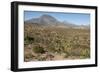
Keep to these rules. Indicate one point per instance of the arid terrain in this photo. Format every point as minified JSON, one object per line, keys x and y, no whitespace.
{"x":55,"y":43}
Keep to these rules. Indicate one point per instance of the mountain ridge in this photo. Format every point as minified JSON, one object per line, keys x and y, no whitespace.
{"x":48,"y":20}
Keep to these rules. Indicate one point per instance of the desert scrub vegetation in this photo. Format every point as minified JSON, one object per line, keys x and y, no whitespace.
{"x":38,"y":49}
{"x":55,"y":43}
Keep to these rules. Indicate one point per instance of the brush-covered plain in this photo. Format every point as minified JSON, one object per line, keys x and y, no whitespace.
{"x":55,"y":43}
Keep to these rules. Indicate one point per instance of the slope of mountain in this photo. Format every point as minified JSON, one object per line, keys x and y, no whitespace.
{"x":47,"y":20}
{"x":43,"y":20}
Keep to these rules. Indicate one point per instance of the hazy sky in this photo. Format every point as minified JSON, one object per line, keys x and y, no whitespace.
{"x":75,"y":18}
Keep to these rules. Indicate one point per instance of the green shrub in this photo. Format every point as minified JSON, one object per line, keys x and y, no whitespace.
{"x":38,"y":49}
{"x":29,"y":55}
{"x":29,"y":40}
{"x":86,"y":53}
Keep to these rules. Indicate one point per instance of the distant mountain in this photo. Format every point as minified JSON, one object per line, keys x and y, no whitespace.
{"x":69,"y":24}
{"x":47,"y":20}
{"x":43,"y":20}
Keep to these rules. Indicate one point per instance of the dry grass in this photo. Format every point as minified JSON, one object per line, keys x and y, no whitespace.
{"x":52,"y":43}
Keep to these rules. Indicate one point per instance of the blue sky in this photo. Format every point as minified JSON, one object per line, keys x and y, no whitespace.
{"x":76,"y":18}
